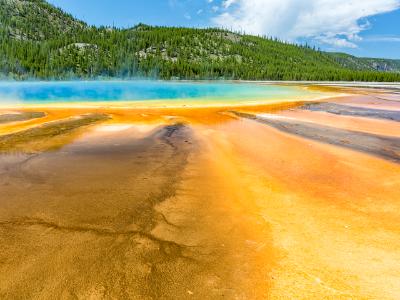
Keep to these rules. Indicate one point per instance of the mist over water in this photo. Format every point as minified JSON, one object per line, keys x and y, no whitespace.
{"x":97,"y":91}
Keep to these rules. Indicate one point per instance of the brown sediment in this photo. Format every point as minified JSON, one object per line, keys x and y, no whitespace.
{"x":46,"y":136}
{"x":374,"y":126}
{"x":20,"y":116}
{"x":348,"y":110}
{"x":379,"y":145}
{"x":131,"y":218}
{"x":122,"y":218}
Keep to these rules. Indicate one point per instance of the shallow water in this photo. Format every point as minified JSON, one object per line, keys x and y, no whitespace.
{"x":199,"y":203}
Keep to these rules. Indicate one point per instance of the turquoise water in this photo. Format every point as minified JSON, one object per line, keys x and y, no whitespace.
{"x":98,"y":91}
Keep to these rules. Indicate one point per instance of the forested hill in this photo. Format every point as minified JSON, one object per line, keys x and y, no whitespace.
{"x":364,"y":63}
{"x":38,"y":40}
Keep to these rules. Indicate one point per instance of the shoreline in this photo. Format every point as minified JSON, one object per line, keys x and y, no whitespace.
{"x":322,"y":90}
{"x":175,"y":104}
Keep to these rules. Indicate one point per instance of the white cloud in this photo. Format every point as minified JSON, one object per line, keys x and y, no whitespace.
{"x":214,"y":8}
{"x":334,"y":22}
{"x":383,"y":38}
{"x":228,"y":3}
{"x":335,"y":41}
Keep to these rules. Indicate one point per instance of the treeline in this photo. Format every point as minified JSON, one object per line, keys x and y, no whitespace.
{"x":40,"y":41}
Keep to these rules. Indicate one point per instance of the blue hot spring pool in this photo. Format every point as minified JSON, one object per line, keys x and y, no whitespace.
{"x":135,"y":91}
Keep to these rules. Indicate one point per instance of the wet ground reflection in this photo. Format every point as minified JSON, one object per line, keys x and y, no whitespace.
{"x":199,"y":203}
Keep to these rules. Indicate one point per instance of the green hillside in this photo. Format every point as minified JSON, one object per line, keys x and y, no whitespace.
{"x":35,"y":20}
{"x":364,"y":63}
{"x":38,"y":40}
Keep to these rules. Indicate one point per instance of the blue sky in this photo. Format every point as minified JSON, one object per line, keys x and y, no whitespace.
{"x":360,"y":27}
